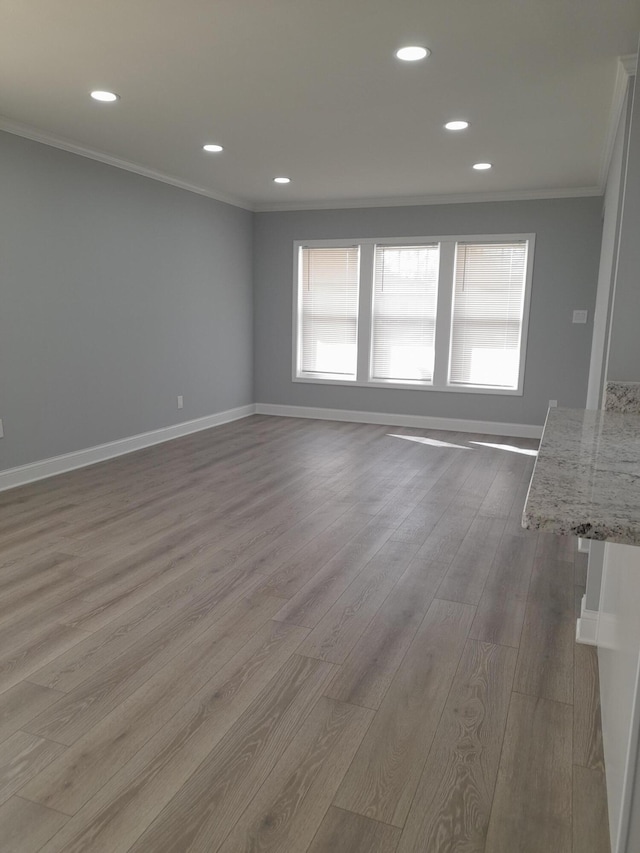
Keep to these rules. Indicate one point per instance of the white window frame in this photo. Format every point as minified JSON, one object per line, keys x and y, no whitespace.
{"x":308,"y":376}
{"x":440,"y":380}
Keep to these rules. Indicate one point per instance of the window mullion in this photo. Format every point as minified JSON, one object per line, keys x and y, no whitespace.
{"x":443,"y":317}
{"x":365,"y":309}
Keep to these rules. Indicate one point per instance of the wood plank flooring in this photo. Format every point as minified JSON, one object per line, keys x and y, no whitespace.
{"x":295,"y":636}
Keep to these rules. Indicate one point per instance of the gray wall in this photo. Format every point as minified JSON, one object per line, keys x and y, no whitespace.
{"x":117,"y":293}
{"x":608,"y":259}
{"x":568,"y":235}
{"x":624,"y":335}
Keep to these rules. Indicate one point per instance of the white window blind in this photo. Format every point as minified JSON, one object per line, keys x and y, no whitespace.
{"x":328,"y":311}
{"x":404,"y":312}
{"x":488,"y":306}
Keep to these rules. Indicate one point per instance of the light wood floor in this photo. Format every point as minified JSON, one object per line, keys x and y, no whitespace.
{"x":288,"y":635}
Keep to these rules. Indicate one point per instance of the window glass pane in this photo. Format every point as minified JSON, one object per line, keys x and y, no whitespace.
{"x":488,"y":305}
{"x":404,"y":312}
{"x":328,"y":311}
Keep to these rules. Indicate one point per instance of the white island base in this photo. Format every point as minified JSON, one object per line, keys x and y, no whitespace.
{"x":618,"y":641}
{"x":586,"y":483}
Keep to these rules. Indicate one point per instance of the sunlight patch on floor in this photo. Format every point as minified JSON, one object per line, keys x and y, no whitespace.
{"x":433,"y":442}
{"x":525,"y":451}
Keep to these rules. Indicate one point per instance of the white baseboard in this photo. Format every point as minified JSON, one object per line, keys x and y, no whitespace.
{"x":419,"y":421}
{"x":587,"y":625}
{"x":23,"y":474}
{"x":44,"y":468}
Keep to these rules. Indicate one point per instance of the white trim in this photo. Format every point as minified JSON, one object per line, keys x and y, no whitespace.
{"x":417,"y":201}
{"x":411,"y":386}
{"x":384,"y":418}
{"x":439,"y":382}
{"x":412,"y":239}
{"x":621,"y":845}
{"x":23,"y":474}
{"x":587,"y":625}
{"x":626,"y":68}
{"x":50,"y":139}
{"x":622,"y":841}
{"x":444,"y":314}
{"x":364,"y":340}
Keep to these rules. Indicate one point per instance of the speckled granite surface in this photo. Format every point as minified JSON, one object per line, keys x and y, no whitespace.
{"x":622,"y":397}
{"x":586,"y":480}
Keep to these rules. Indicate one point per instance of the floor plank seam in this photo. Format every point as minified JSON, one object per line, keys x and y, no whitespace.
{"x":493,"y":799}
{"x":542,"y":698}
{"x":368,"y":817}
{"x":20,"y":797}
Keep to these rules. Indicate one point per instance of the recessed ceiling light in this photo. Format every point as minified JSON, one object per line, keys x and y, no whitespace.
{"x":100,"y":95}
{"x":481,"y":167}
{"x":282,"y":180}
{"x":457,"y":125}
{"x":212,"y":148}
{"x":412,"y":53}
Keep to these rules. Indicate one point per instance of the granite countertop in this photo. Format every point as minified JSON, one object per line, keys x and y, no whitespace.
{"x":586,"y":481}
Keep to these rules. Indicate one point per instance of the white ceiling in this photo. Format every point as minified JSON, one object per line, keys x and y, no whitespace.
{"x":311,"y":89}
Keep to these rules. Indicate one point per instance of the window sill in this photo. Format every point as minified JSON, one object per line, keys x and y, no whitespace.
{"x":412,"y":386}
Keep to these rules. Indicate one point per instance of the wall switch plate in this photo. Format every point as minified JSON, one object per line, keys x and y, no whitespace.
{"x":553,"y":404}
{"x":1,"y":429}
{"x":579,"y":316}
{"x":180,"y":402}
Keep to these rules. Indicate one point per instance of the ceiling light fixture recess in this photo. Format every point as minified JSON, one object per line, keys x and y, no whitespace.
{"x":212,"y":148}
{"x":481,"y":167}
{"x":458,"y":124}
{"x":282,"y":180}
{"x":412,"y":53}
{"x":104,"y":96}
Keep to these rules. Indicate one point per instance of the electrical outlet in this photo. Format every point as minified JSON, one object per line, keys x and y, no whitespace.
{"x":1,"y":429}
{"x":579,"y":316}
{"x":553,"y":404}
{"x":180,"y":401}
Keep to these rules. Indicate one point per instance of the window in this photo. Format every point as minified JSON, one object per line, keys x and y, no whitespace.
{"x":488,"y":302}
{"x":404,"y":312}
{"x":328,"y":311}
{"x":448,"y":314}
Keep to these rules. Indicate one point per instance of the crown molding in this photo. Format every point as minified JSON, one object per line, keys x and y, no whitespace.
{"x":627,"y":66}
{"x":416,"y":201}
{"x":50,"y":139}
